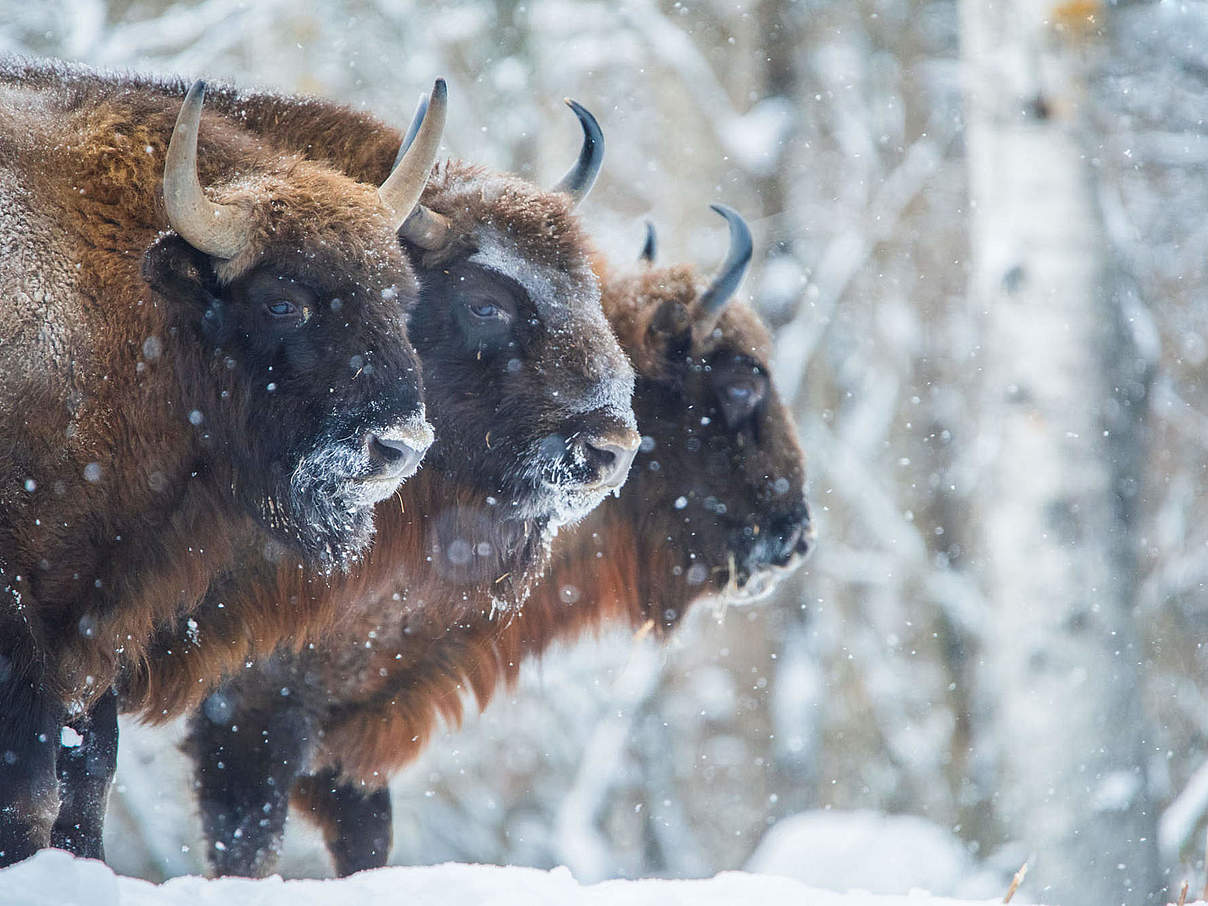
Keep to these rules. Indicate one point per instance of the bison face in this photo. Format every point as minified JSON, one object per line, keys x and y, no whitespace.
{"x":319,"y":415}
{"x":527,"y":386}
{"x":295,"y":285}
{"x":717,"y":490}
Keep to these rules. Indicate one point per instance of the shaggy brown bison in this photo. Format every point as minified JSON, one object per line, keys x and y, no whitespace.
{"x":181,"y":369}
{"x":530,"y":396}
{"x":714,"y":506}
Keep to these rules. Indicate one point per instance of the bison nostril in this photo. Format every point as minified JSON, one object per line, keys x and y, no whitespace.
{"x":388,"y":450}
{"x":397,"y":455}
{"x":792,"y":539}
{"x":613,"y":456}
{"x":786,"y":544}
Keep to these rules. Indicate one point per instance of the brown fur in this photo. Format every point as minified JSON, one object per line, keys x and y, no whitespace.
{"x":542,"y":230}
{"x":377,"y":689}
{"x":413,"y":635}
{"x":260,"y":601}
{"x":404,"y":655}
{"x":364,"y":148}
{"x":132,"y":455}
{"x":625,"y":562}
{"x":404,"y":658}
{"x":91,"y":169}
{"x":108,"y":205}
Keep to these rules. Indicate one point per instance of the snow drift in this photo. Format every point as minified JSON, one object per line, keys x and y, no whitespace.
{"x":54,"y":878}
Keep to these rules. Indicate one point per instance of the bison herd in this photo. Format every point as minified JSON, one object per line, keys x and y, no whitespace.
{"x":234,"y":325}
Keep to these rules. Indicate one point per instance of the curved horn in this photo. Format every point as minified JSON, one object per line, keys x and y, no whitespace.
{"x":650,"y":246}
{"x":721,"y":289}
{"x":404,"y":186}
{"x":417,"y":120}
{"x":221,"y":230}
{"x":423,"y":227}
{"x":579,"y":179}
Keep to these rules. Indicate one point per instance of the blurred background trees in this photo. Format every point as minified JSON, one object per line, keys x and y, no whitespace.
{"x":982,"y":246}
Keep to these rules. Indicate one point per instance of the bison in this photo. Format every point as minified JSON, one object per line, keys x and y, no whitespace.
{"x":182,"y":371}
{"x":715,"y":506}
{"x":529,"y":393}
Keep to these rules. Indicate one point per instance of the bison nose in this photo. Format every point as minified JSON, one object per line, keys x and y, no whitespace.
{"x":786,"y":545}
{"x":612,"y":454}
{"x":793,"y":536}
{"x":397,"y":453}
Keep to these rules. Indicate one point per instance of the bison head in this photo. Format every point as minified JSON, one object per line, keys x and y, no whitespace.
{"x":298,"y":293}
{"x":527,"y":386}
{"x":720,"y":477}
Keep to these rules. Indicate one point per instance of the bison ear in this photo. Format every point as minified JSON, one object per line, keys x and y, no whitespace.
{"x":670,"y":330}
{"x":177,"y":271}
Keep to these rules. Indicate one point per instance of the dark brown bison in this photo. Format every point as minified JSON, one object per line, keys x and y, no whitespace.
{"x":714,"y":506}
{"x":530,"y":397}
{"x":181,"y":370}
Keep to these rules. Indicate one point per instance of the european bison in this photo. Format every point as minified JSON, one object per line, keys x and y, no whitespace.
{"x":181,"y":369}
{"x":715,"y":506}
{"x":530,"y":396}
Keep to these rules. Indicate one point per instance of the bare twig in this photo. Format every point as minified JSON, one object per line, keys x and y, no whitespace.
{"x":1015,"y":882}
{"x":643,"y":631}
{"x":1204,"y":895}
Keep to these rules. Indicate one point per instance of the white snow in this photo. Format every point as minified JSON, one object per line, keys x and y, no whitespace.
{"x":55,"y":878}
{"x":847,"y":850}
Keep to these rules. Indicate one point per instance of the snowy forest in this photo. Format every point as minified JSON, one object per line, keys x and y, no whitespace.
{"x":981,"y":248}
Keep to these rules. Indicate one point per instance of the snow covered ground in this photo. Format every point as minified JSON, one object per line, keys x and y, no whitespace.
{"x":54,"y":878}
{"x":864,"y":850}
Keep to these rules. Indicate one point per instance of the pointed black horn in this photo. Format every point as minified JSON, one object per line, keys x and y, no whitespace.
{"x":579,"y":179}
{"x":721,"y":289}
{"x":650,"y":246}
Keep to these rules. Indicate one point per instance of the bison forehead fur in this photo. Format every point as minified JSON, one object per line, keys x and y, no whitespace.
{"x":727,"y":493}
{"x":558,"y":375}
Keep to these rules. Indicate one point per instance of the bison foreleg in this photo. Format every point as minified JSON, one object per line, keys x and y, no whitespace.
{"x":355,"y":820}
{"x":30,"y":723}
{"x":85,"y":775}
{"x":246,"y":761}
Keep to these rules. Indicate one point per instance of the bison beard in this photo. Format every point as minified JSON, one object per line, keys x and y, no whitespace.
{"x":371,"y":696}
{"x":326,"y":503}
{"x":134,"y":446}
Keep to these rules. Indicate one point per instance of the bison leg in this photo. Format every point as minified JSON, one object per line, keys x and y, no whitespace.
{"x":246,"y":761}
{"x":30,"y":723}
{"x":356,"y":821}
{"x":85,"y":774}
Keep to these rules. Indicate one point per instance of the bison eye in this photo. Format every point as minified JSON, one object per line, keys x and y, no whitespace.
{"x":739,"y":396}
{"x":485,"y":310}
{"x":743,"y":396}
{"x":281,"y":308}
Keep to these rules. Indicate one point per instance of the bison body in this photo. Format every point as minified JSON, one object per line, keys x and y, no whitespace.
{"x":529,"y":394}
{"x":714,"y":506}
{"x":175,"y":383}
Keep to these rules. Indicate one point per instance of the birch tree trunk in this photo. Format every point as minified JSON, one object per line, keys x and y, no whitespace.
{"x":1058,"y":434}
